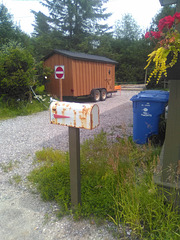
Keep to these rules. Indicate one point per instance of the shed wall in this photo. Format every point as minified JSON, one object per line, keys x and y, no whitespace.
{"x":89,"y":75}
{"x":53,"y":86}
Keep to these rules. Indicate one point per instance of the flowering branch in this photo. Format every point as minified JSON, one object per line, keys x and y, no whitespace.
{"x":168,"y":43}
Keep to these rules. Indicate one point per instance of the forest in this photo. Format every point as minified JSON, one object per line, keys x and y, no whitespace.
{"x":74,"y":25}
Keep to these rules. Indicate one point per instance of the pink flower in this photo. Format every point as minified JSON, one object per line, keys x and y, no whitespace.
{"x":166,"y":22}
{"x":156,"y":35}
{"x":147,"y":35}
{"x":177,"y":17}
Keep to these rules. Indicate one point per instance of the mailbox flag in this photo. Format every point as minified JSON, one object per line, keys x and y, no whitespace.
{"x":59,"y":72}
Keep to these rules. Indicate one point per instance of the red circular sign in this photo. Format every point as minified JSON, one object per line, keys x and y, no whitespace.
{"x":59,"y":72}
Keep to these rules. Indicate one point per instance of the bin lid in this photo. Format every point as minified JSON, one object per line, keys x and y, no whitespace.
{"x":151,"y":95}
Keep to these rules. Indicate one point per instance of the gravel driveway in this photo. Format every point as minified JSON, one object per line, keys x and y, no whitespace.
{"x":23,"y":216}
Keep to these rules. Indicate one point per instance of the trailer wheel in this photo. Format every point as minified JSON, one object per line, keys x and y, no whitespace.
{"x":96,"y":95}
{"x":103,"y":94}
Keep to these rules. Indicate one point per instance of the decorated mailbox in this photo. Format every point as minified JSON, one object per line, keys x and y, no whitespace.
{"x":74,"y":114}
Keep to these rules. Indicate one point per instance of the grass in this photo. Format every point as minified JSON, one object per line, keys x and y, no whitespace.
{"x":16,"y":179}
{"x":116,"y":185}
{"x":7,"y":167}
{"x":22,"y":108}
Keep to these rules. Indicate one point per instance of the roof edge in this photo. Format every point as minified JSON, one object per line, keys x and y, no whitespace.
{"x":80,"y":56}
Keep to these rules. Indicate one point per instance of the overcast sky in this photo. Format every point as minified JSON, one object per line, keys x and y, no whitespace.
{"x":142,"y":11}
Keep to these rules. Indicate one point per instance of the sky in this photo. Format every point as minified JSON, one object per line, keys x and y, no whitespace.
{"x":142,"y":11}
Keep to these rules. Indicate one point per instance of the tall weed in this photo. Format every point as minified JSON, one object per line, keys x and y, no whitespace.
{"x":116,"y":184}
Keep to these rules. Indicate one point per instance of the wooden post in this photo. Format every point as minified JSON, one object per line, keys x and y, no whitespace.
{"x":75,"y":176}
{"x":145,"y":80}
{"x":60,"y":90}
{"x":170,"y":155}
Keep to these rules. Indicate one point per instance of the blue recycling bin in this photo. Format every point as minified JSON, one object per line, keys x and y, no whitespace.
{"x":147,"y":108}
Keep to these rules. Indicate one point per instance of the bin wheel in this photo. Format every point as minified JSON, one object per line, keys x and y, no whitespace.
{"x":96,"y":95}
{"x":103,"y":94}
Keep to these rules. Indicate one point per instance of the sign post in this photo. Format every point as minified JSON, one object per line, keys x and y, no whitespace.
{"x":59,"y":74}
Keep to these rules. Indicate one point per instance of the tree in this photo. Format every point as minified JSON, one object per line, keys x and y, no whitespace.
{"x":41,"y":25}
{"x":77,"y":19}
{"x":9,"y":31}
{"x":129,"y":50}
{"x":127,"y":28}
{"x":131,"y":58}
{"x":6,"y":25}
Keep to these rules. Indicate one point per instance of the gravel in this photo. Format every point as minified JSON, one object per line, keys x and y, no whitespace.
{"x":23,"y":215}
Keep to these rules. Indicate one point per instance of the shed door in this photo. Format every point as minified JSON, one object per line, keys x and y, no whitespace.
{"x":109,"y":78}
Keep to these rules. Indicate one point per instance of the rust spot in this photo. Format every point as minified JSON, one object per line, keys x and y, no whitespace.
{"x":63,"y":111}
{"x":57,"y":104}
{"x":83,"y":116}
{"x":91,"y":120}
{"x":54,"y":111}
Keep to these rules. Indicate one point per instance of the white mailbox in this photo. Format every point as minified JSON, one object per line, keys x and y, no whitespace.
{"x":74,"y":114}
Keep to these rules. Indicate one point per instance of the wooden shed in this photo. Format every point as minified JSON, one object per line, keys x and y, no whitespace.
{"x":84,"y":74}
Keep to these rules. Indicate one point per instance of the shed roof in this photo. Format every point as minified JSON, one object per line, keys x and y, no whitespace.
{"x":81,"y":56}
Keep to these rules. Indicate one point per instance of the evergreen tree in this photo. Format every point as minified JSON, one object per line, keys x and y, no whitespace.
{"x":9,"y":31}
{"x":6,"y":25}
{"x":41,"y":25}
{"x":127,"y":28}
{"x":77,"y":19}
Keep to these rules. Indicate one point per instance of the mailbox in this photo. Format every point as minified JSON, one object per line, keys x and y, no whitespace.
{"x":74,"y":114}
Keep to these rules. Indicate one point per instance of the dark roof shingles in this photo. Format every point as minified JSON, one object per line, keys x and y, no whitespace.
{"x":82,"y":56}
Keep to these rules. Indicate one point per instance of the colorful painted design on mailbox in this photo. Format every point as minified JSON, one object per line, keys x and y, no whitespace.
{"x":74,"y":114}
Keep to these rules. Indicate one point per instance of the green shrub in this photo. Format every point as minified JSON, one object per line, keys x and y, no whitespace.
{"x":19,"y":72}
{"x":16,"y":71}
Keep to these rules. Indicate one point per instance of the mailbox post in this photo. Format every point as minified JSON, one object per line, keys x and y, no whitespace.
{"x":75,"y":176}
{"x":75,"y":116}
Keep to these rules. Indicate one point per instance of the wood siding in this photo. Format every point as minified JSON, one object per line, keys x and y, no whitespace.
{"x":80,"y":76}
